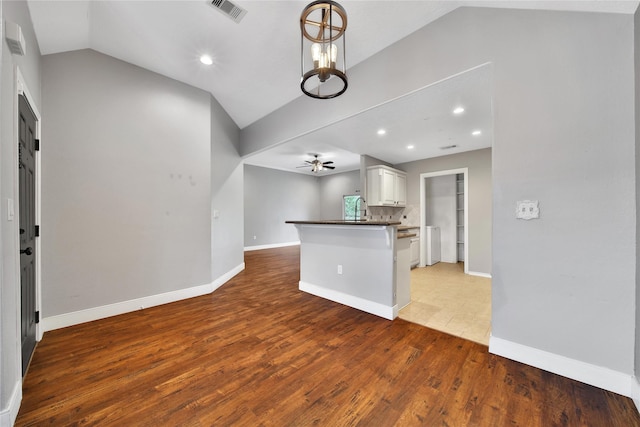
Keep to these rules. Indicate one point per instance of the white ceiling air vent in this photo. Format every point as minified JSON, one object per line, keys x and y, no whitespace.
{"x":233,"y":11}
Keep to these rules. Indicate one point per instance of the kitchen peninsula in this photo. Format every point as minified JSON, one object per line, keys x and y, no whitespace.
{"x":352,"y":263}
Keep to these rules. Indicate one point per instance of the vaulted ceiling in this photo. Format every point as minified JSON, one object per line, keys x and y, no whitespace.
{"x":256,"y":62}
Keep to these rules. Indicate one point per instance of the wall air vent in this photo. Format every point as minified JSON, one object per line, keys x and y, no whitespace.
{"x":448,"y":147}
{"x":236,"y":13}
{"x":15,"y":39}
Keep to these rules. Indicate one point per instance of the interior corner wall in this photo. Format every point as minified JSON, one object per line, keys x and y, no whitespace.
{"x":227,"y":201}
{"x":636,"y":55}
{"x":272,"y":197}
{"x":126,"y":183}
{"x":333,"y":188}
{"x":563,"y":98}
{"x":478,"y":163}
{"x":29,"y":66}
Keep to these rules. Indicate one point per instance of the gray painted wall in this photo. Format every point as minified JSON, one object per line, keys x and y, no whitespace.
{"x":227,"y":202}
{"x":272,"y":197}
{"x":563,"y":97}
{"x":636,"y":52}
{"x":29,"y":65}
{"x":126,"y":183}
{"x":480,"y":198}
{"x":333,"y":188}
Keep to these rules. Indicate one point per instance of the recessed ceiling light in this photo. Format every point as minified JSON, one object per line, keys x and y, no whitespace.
{"x":410,"y":147}
{"x":476,"y":132}
{"x":458,"y":110}
{"x":381,"y":132}
{"x":206,"y":60}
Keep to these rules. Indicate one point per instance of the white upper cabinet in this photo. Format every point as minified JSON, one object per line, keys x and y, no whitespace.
{"x":386,"y":186}
{"x":401,"y":188}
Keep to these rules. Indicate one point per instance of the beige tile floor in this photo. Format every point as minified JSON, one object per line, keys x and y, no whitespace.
{"x":444,"y":298}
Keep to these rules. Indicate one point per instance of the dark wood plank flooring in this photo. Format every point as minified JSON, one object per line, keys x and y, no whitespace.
{"x":259,"y":352}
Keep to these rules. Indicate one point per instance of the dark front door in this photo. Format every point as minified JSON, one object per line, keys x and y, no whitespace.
{"x":27,"y":173}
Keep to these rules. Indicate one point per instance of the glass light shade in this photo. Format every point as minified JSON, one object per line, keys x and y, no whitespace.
{"x":323,"y":59}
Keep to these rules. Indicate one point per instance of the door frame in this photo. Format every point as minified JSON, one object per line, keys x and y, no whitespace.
{"x":21,"y":88}
{"x":423,"y":212}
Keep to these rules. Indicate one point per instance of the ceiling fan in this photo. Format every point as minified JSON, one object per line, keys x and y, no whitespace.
{"x":317,"y":165}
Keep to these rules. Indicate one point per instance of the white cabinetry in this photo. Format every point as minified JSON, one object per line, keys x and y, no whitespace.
{"x":386,"y":186}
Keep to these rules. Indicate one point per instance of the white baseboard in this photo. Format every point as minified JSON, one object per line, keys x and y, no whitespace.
{"x":371,"y":307}
{"x":227,"y":276}
{"x":272,"y":246}
{"x":8,"y":415}
{"x":95,"y":313}
{"x":476,"y":273}
{"x":635,"y":392}
{"x":587,"y":373}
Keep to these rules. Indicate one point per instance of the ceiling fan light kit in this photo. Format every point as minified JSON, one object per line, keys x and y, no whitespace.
{"x":322,"y":50}
{"x":318,"y":165}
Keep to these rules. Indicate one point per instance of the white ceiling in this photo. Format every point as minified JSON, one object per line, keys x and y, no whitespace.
{"x":256,"y":66}
{"x":423,"y":119}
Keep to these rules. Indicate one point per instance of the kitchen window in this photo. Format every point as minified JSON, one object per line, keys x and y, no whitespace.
{"x":351,"y":207}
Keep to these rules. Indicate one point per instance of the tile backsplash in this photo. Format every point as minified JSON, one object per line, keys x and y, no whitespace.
{"x":380,"y":213}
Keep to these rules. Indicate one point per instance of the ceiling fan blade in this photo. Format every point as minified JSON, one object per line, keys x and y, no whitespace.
{"x":327,"y":163}
{"x":329,"y":167}
{"x":303,"y":166}
{"x":307,"y":161}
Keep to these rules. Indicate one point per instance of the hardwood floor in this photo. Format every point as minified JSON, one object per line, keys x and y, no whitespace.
{"x":259,"y":352}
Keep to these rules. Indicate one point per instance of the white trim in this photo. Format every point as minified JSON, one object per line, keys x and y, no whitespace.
{"x":271,"y":246}
{"x":371,"y":307}
{"x":635,"y":392}
{"x":95,"y":313}
{"x":587,"y":373}
{"x":423,"y":210}
{"x":477,"y":273}
{"x":22,"y":88}
{"x":227,"y":276}
{"x":8,"y":416}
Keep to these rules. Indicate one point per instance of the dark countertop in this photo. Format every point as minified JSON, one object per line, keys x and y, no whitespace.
{"x":342,"y":222}
{"x":407,"y":227}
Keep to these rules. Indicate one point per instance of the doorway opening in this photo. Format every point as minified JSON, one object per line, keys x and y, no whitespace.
{"x":450,"y":188}
{"x":444,"y":296}
{"x":27,"y":178}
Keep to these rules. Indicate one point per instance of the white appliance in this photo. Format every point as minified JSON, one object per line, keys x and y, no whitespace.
{"x":415,"y":251}
{"x":432,"y":245}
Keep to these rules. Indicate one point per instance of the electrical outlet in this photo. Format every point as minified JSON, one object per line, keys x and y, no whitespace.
{"x":255,"y":237}
{"x":339,"y":268}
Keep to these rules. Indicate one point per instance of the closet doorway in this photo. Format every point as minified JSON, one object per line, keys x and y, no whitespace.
{"x":444,"y":199}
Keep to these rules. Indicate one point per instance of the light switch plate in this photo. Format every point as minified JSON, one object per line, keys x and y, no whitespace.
{"x":10,"y":210}
{"x":527,"y":209}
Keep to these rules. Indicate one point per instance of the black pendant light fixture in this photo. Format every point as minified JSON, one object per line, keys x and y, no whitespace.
{"x":323,"y":55}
